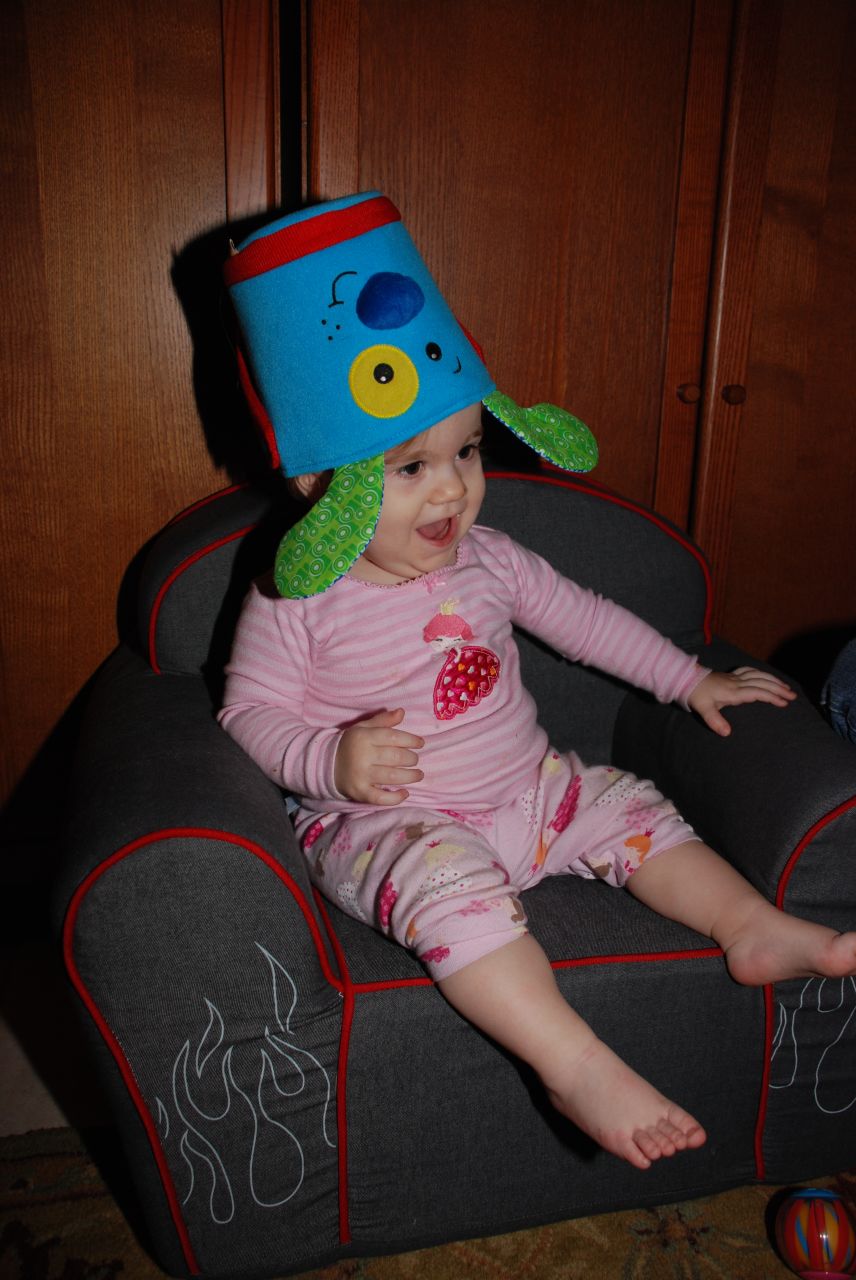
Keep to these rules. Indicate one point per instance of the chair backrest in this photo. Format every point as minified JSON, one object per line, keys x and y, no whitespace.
{"x":199,"y":567}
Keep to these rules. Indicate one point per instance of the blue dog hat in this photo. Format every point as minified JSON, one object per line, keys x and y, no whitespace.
{"x":353,"y":350}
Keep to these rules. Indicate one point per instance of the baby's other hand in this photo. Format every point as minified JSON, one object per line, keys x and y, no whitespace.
{"x":730,"y":688}
{"x":373,"y":756}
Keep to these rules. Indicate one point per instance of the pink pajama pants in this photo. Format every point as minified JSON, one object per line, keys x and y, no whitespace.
{"x":447,"y":885}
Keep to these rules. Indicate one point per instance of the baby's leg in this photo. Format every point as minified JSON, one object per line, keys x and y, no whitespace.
{"x":692,"y":884}
{"x":436,"y":886}
{"x":511,"y":994}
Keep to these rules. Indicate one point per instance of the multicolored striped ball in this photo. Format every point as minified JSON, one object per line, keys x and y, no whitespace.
{"x":816,"y":1236}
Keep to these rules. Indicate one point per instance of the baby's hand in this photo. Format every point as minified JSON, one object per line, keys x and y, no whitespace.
{"x":373,"y":755}
{"x":728,"y":689}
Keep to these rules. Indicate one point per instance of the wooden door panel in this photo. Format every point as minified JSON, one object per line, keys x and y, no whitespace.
{"x":775,"y":510}
{"x":534,"y":152}
{"x":114,"y":163}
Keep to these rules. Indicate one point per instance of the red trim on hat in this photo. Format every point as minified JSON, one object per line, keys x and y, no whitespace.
{"x":309,"y":236}
{"x":258,"y":412}
{"x":475,"y":345}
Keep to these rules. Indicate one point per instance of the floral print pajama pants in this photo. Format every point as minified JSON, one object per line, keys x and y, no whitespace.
{"x":447,"y":885}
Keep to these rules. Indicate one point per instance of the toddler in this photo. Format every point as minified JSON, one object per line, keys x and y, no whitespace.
{"x":376,"y":676}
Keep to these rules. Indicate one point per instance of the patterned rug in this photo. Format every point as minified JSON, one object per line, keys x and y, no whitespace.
{"x":58,"y":1221}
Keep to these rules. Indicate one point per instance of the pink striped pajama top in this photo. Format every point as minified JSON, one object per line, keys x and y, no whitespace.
{"x":441,"y":647}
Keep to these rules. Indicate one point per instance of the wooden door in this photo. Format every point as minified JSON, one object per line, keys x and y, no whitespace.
{"x":777,"y":470}
{"x":535,"y":150}
{"x":131,"y":132}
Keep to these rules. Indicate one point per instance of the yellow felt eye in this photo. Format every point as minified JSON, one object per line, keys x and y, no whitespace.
{"x":383,"y":381}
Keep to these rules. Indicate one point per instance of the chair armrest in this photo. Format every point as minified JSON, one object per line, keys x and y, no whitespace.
{"x":151,"y":757}
{"x":154,"y":773}
{"x":777,"y":798}
{"x":192,"y":937}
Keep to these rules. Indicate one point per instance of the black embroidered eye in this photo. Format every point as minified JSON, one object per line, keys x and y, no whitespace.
{"x":383,"y":373}
{"x":433,"y":352}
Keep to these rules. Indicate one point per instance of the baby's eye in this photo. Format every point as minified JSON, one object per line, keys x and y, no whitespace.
{"x":409,"y":469}
{"x":469,"y":451}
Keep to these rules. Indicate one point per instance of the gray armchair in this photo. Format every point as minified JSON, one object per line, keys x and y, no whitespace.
{"x":288,"y":1085}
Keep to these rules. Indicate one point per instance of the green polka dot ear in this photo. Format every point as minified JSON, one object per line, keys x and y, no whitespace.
{"x":321,"y":547}
{"x":552,"y":432}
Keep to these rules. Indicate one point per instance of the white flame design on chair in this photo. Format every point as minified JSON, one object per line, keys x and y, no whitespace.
{"x":813,"y":1003}
{"x":275,"y":1152}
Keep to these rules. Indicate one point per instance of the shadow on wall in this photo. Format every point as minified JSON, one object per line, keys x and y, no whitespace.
{"x":233,"y":440}
{"x":809,"y":656}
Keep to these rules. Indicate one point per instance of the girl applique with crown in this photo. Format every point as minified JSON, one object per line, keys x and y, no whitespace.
{"x":430,"y":799}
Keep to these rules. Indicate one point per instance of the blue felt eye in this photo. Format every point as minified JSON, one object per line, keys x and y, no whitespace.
{"x":389,"y":300}
{"x":433,"y":352}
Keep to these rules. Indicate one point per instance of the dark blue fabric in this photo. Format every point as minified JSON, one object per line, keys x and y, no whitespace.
{"x":839,"y":693}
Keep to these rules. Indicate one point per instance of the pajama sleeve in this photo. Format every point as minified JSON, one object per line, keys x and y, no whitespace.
{"x":597,"y":632}
{"x":266,"y":679}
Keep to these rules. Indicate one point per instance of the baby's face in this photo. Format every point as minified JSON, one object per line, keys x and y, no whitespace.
{"x":433,"y":490}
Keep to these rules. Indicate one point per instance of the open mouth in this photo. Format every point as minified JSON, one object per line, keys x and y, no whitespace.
{"x":440,"y":533}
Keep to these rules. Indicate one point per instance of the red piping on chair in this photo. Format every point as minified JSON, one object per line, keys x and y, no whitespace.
{"x":176,"y":573}
{"x":342,"y":1072}
{"x":563,"y":482}
{"x":203,"y":502}
{"x":125,"y":1069}
{"x":790,"y":867}
{"x":391,"y":984}
{"x":644,"y":957}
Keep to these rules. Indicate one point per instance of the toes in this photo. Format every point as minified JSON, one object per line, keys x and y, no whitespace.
{"x":672,"y":1136}
{"x":692,"y":1134}
{"x":652,"y":1143}
{"x":633,"y":1152}
{"x":698,"y":1137}
{"x":666,"y":1137}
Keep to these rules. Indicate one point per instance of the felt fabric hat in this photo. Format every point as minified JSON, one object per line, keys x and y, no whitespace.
{"x":352,"y":350}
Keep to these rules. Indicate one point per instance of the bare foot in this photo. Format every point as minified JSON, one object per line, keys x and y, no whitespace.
{"x":621,"y":1111}
{"x":768,"y":945}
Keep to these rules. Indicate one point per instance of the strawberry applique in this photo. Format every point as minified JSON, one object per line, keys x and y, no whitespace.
{"x":469,"y":672}
{"x":468,"y":675}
